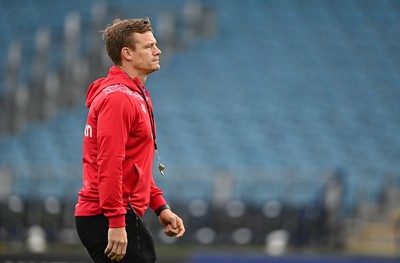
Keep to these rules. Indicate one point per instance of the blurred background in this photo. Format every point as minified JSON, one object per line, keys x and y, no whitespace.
{"x":278,"y":123}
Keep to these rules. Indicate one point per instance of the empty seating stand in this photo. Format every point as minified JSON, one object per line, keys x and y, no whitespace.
{"x":282,"y":86}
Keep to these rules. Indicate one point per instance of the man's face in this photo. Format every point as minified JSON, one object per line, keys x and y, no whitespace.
{"x":146,"y":55}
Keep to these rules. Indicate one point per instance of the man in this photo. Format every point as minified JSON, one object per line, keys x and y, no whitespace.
{"x":118,"y":152}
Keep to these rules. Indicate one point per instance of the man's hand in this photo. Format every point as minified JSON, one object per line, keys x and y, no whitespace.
{"x":172,"y":223}
{"x":117,"y":243}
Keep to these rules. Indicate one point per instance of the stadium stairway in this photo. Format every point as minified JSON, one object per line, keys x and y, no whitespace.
{"x":376,"y":237}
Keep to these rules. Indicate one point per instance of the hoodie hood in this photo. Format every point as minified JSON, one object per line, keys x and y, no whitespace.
{"x":115,"y":76}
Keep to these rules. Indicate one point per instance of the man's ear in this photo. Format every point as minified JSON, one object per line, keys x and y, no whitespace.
{"x":127,"y":53}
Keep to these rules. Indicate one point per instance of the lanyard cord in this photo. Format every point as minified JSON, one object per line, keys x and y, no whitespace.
{"x":151,"y":116}
{"x":161,"y":167}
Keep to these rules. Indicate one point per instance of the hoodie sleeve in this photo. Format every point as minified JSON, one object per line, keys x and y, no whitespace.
{"x":115,"y":118}
{"x":156,"y":198}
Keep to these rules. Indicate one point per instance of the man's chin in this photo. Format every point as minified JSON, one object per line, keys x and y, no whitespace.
{"x":156,"y":68}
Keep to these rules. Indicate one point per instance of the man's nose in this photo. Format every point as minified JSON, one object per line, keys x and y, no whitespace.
{"x":157,"y":51}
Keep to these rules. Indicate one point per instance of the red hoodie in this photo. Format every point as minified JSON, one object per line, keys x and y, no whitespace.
{"x":118,"y":151}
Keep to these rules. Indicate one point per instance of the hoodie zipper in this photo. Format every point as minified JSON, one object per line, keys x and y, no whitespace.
{"x":137,"y":224}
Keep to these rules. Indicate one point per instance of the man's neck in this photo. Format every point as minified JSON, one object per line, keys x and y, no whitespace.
{"x":133,"y":73}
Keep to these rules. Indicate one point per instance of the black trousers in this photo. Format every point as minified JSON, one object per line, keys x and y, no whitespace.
{"x":93,"y":233}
